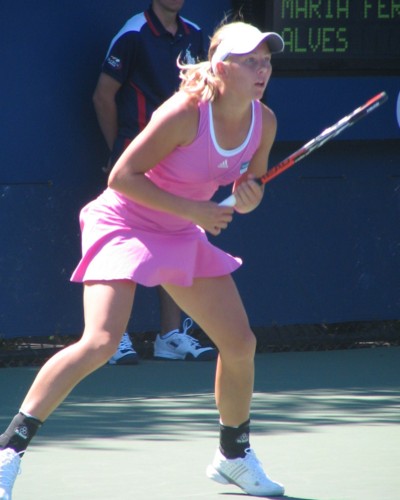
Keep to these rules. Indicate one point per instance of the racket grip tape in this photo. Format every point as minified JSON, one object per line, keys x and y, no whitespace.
{"x":228,"y":202}
{"x":231,"y":200}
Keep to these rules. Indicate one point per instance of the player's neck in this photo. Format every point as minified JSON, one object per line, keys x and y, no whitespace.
{"x":167,"y":18}
{"x":228,"y":107}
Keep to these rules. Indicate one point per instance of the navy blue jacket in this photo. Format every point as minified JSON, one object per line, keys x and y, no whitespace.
{"x":142,"y":57}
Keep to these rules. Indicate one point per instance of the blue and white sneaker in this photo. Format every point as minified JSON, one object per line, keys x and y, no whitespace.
{"x":125,"y":354}
{"x":10,"y":462}
{"x":180,"y":345}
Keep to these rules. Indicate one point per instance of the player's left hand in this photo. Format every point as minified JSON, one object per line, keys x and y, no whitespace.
{"x":248,"y":194}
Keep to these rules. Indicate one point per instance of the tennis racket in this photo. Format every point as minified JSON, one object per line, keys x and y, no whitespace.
{"x":328,"y":134}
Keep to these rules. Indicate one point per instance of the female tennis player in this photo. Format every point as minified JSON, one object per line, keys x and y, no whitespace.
{"x":149,"y":227}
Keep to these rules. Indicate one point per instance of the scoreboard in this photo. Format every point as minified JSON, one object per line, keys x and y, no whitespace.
{"x":338,"y":53}
{"x":339,"y":36}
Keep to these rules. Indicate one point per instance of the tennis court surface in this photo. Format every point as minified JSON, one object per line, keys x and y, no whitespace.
{"x":325,"y":424}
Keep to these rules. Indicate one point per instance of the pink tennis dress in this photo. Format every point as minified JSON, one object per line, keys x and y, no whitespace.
{"x":122,"y":239}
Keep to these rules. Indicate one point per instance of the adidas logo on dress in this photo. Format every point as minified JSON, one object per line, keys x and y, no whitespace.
{"x":223,"y":164}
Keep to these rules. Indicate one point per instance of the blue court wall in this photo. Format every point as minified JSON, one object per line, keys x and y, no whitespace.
{"x":323,"y":247}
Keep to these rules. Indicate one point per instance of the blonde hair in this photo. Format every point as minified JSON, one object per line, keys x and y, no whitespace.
{"x":199,"y":79}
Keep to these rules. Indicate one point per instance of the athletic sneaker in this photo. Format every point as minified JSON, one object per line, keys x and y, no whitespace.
{"x":247,"y":473}
{"x":10,"y":462}
{"x":125,"y":354}
{"x":180,"y":345}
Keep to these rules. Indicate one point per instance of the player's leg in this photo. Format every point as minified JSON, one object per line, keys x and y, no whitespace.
{"x":107,"y":306}
{"x":216,"y":306}
{"x":107,"y":310}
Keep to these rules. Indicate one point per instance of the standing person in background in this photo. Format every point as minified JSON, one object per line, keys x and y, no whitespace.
{"x":156,"y":209}
{"x":139,"y":73}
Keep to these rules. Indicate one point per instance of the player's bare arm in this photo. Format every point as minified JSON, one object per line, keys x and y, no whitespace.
{"x":174,"y":124}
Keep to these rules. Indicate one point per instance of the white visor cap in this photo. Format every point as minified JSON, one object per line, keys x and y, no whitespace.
{"x":243,"y":38}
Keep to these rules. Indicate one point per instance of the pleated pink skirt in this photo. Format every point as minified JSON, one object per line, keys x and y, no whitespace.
{"x":124,"y":240}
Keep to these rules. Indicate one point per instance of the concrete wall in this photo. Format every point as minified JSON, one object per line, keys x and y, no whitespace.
{"x":324,"y":246}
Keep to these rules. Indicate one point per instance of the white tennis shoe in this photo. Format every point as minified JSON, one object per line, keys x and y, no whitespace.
{"x":10,"y":462}
{"x":247,"y":473}
{"x":125,"y":354}
{"x":180,"y":345}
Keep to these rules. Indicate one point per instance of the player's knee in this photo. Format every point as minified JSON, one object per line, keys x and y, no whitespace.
{"x":105,"y":351}
{"x":241,"y":347}
{"x":100,"y":350}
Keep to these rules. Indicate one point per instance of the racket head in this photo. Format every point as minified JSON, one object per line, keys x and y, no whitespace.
{"x":326,"y":135}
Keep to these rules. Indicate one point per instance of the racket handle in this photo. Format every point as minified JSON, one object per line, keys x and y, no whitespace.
{"x":228,"y":202}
